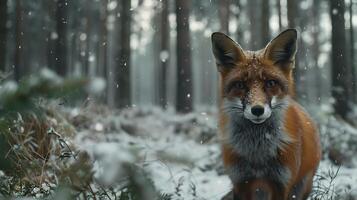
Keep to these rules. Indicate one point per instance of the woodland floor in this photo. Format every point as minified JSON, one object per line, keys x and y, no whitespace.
{"x":180,"y":154}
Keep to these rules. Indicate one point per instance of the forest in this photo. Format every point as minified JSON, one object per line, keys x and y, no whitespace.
{"x":119,"y":99}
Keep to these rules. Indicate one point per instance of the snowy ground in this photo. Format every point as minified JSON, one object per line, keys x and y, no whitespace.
{"x":181,"y":153}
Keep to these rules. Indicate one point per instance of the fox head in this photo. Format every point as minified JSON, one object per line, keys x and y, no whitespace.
{"x":254,"y":83}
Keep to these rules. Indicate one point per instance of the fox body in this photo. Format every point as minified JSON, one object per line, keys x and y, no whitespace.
{"x":270,"y":145}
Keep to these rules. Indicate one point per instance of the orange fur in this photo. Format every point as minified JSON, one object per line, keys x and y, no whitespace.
{"x":302,"y":154}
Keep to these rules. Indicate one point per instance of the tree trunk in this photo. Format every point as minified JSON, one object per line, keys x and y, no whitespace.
{"x":184,"y":74}
{"x":239,"y":21}
{"x":123,"y":93}
{"x":223,"y":13}
{"x":316,"y":48}
{"x":3,"y":33}
{"x":102,"y":45}
{"x":87,"y":42}
{"x":293,"y":15}
{"x":164,"y":53}
{"x":18,"y":55}
{"x":292,"y":6}
{"x":352,"y":56}
{"x":255,"y":25}
{"x":102,"y":62}
{"x":340,"y":77}
{"x":61,"y":44}
{"x":265,"y":23}
{"x":278,"y":7}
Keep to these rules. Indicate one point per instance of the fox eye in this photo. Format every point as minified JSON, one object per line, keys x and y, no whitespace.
{"x":271,"y":83}
{"x":239,"y":85}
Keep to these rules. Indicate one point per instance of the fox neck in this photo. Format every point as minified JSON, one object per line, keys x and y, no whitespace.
{"x":258,"y":142}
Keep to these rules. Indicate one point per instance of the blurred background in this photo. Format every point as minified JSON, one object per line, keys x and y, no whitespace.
{"x":116,"y":99}
{"x":158,"y":52}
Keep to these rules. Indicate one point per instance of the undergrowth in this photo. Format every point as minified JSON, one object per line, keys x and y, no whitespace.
{"x":37,"y":158}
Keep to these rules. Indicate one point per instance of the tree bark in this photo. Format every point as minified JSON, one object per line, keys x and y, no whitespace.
{"x":18,"y":54}
{"x":293,"y":14}
{"x":164,"y":54}
{"x":340,"y":77}
{"x":239,"y":21}
{"x":184,"y":74}
{"x":278,"y":7}
{"x":102,"y":45}
{"x":123,"y":93}
{"x":316,"y":48}
{"x":61,"y":43}
{"x":293,"y":22}
{"x":352,"y":55}
{"x":3,"y":33}
{"x":265,"y":23}
{"x":102,"y":62}
{"x":255,"y":25}
{"x":223,"y":13}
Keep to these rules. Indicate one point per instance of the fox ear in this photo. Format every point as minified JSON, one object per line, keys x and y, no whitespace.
{"x":282,"y":49}
{"x":227,"y":52}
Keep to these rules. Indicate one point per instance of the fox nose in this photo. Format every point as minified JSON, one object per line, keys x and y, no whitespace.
{"x":257,"y":110}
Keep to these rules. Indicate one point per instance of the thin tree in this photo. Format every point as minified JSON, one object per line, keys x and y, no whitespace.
{"x":164,"y":53}
{"x":316,"y":46}
{"x":61,"y":62}
{"x":239,"y":21}
{"x":184,"y":74}
{"x":278,"y":7}
{"x":340,"y":78}
{"x":265,"y":22}
{"x":254,"y":24}
{"x":3,"y":33}
{"x":102,"y":61}
{"x":352,"y":54}
{"x":123,"y":93}
{"x":223,"y":12}
{"x":293,"y":22}
{"x":18,"y":55}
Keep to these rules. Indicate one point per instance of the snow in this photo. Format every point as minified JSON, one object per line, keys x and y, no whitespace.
{"x":181,"y":153}
{"x":169,"y":147}
{"x":96,"y":85}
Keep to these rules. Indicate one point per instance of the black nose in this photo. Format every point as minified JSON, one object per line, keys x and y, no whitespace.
{"x":257,"y":110}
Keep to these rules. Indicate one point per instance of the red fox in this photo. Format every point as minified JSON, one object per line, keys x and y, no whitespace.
{"x":270,"y":145}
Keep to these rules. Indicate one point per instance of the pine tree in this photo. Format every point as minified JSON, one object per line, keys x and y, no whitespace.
{"x":184,"y":73}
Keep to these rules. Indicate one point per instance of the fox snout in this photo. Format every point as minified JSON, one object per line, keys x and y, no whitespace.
{"x":257,"y":113}
{"x":257,"y":108}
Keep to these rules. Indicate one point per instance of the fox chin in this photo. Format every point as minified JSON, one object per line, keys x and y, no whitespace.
{"x":269,"y":142}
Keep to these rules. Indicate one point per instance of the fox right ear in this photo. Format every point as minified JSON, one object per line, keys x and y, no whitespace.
{"x":282,"y":49}
{"x":227,"y":52}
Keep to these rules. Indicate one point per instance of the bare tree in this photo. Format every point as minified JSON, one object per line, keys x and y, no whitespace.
{"x":316,"y":46}
{"x":3,"y":33}
{"x":18,"y":54}
{"x":223,"y":12}
{"x":184,"y":73}
{"x":164,"y":53}
{"x":123,"y":93}
{"x":61,"y":43}
{"x":340,"y":73}
{"x":293,"y":13}
{"x":102,"y":61}
{"x":265,"y":22}
{"x":278,"y":7}
{"x":352,"y":54}
{"x":293,"y":22}
{"x":254,"y":24}
{"x":238,"y":18}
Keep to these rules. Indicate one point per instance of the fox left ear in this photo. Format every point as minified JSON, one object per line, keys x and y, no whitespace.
{"x":282,"y":49}
{"x":227,"y":52}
